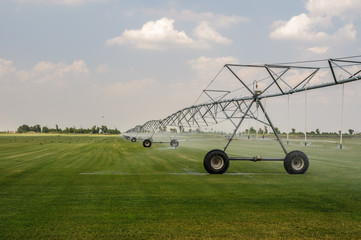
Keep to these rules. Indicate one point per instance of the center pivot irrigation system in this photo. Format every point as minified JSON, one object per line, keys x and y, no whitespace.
{"x":236,"y":93}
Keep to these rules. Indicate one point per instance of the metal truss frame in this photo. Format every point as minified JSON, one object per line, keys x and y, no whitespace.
{"x":235,"y":110}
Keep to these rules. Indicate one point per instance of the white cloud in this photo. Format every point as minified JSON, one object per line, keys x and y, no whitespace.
{"x":45,"y":72}
{"x":204,"y":32}
{"x":319,"y":49}
{"x":346,"y":32}
{"x":300,"y":27}
{"x":6,"y":67}
{"x":317,"y":24}
{"x":71,"y":3}
{"x":158,"y":35}
{"x":161,"y":35}
{"x":58,"y":73}
{"x":334,"y":8}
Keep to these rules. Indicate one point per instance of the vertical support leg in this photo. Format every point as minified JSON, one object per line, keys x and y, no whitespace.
{"x":306,"y":117}
{"x":257,"y":124}
{"x":264,"y":126}
{"x":343,"y":88}
{"x":270,"y":123}
{"x":288,"y":117}
{"x":239,"y":124}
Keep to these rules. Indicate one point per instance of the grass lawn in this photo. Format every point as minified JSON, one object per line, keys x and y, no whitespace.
{"x":104,"y":187}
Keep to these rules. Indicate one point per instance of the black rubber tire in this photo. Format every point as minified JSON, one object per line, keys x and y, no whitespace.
{"x":147,"y":143}
{"x":296,"y":162}
{"x":174,"y":143}
{"x":216,"y":162}
{"x":133,"y":139}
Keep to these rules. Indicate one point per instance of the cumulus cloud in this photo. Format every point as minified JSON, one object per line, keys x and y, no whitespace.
{"x":45,"y":72}
{"x":334,"y":8}
{"x":317,"y":24}
{"x":6,"y":67}
{"x":71,"y":3}
{"x":161,"y":35}
{"x":156,"y":35}
{"x":57,"y":73}
{"x":319,"y":49}
{"x":205,"y":32}
{"x":300,"y":27}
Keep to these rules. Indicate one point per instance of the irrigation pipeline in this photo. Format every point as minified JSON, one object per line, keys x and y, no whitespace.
{"x":208,"y":113}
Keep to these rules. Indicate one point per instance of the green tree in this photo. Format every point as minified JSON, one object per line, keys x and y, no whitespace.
{"x":37,"y":128}
{"x":45,"y":129}
{"x":277,"y":130}
{"x":104,"y":129}
{"x":351,"y":131}
{"x":94,"y":130}
{"x":23,"y":129}
{"x":252,"y":130}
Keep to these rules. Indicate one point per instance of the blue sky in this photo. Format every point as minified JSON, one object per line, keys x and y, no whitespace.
{"x":72,"y":62}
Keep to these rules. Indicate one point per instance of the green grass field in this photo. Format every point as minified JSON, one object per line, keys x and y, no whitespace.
{"x":92,"y":187}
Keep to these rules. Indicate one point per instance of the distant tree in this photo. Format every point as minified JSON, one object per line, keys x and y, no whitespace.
{"x":173,"y":130}
{"x":57,"y":127}
{"x":351,"y":131}
{"x":293,"y":130}
{"x":265,"y":130}
{"x":277,"y":130}
{"x":23,"y":129}
{"x":45,"y":129}
{"x":260,"y":131}
{"x":104,"y":129}
{"x":94,"y":130}
{"x":318,"y":131}
{"x":252,"y":130}
{"x":37,"y":128}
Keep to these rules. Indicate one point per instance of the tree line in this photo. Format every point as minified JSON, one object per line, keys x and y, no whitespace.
{"x":94,"y":130}
{"x":252,"y":130}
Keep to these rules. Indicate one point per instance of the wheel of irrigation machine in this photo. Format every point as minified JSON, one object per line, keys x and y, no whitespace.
{"x":296,"y":162}
{"x":133,"y":139}
{"x":147,"y":143}
{"x":174,"y":143}
{"x":216,"y":162}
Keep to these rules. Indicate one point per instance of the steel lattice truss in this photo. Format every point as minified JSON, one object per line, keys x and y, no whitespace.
{"x":235,"y":104}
